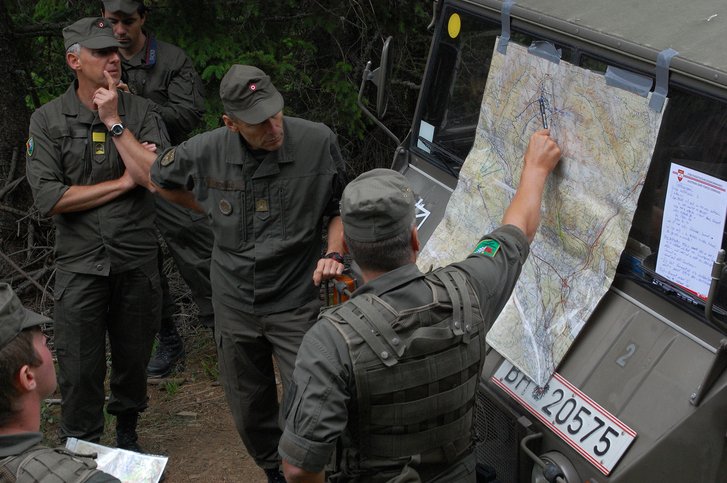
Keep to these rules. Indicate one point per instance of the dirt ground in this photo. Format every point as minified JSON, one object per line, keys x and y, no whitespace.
{"x":187,"y":420}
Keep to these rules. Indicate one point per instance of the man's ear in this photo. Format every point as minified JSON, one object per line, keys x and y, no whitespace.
{"x":415,"y":245}
{"x":73,"y":60}
{"x":229,"y":123}
{"x":26,"y":379}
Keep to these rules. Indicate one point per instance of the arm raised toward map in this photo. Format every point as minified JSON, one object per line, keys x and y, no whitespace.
{"x":541,"y":157}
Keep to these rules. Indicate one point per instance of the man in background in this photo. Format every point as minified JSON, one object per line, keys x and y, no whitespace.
{"x":162,"y":73}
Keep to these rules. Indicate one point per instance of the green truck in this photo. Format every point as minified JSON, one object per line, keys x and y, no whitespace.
{"x":641,"y":395}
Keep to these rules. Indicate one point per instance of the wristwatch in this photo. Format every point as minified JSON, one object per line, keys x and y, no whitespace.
{"x":117,"y":129}
{"x":334,"y":255}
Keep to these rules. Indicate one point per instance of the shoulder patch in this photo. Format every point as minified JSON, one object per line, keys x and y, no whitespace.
{"x":487,"y":247}
{"x":29,"y":147}
{"x":168,"y":157}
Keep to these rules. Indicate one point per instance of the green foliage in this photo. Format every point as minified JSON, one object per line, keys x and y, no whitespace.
{"x":210,"y":368}
{"x":171,"y":387}
{"x":314,"y":50}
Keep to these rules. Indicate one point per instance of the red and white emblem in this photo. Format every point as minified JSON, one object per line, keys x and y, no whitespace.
{"x":100,"y":24}
{"x":680,"y":174}
{"x":253,"y":87}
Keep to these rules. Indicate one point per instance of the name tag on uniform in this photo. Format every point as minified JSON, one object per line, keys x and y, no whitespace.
{"x":261,"y":204}
{"x":99,"y":142}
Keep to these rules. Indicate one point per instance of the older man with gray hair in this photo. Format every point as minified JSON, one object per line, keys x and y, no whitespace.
{"x":107,"y":281}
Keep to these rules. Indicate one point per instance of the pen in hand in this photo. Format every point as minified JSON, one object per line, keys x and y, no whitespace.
{"x":542,"y":112}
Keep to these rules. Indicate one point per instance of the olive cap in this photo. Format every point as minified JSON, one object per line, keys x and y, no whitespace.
{"x":90,"y":32}
{"x":14,"y":318}
{"x":249,"y":95}
{"x":125,"y":6}
{"x":377,"y":205}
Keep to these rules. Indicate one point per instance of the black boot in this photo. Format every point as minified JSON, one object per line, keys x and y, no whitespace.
{"x":126,"y":437}
{"x":170,"y":352}
{"x":274,"y":475}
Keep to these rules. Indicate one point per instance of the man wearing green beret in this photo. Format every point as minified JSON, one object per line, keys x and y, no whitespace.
{"x":107,"y":281}
{"x":162,"y":73}
{"x":269,"y":184}
{"x":391,"y":374}
{"x":27,"y":377}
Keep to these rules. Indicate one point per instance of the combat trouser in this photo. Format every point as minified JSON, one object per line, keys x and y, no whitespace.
{"x":189,"y":239}
{"x":246,"y":344}
{"x":126,"y":306}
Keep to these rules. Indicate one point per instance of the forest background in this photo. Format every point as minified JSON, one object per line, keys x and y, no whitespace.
{"x":314,"y":50}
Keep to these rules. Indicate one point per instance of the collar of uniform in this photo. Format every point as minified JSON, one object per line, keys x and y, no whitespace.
{"x":270,"y":165}
{"x":139,"y":59}
{"x":72,"y":105}
{"x":391,"y":280}
{"x":14,"y":444}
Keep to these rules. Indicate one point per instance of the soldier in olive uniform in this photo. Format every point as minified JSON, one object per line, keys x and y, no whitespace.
{"x":27,"y":377}
{"x":268,"y":183}
{"x":107,"y":281}
{"x":393,"y":371}
{"x":163,"y":73}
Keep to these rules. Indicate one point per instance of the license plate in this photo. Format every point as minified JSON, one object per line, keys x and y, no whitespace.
{"x":591,"y":430}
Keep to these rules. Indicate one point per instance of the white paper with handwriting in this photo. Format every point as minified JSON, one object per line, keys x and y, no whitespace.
{"x":692,"y":228}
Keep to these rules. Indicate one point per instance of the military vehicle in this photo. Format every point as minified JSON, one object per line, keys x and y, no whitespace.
{"x":641,"y":396}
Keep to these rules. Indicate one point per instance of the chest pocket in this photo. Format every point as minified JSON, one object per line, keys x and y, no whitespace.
{"x":226,"y":209}
{"x":74,"y":151}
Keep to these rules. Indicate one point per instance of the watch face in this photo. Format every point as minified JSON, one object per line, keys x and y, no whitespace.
{"x":117,"y":129}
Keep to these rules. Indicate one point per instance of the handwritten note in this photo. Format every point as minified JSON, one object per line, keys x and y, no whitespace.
{"x":692,"y":228}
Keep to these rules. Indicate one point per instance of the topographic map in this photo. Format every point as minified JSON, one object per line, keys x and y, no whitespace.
{"x":607,"y":136}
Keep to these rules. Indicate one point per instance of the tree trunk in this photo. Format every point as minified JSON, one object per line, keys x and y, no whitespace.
{"x":15,"y":198}
{"x":14,"y":114}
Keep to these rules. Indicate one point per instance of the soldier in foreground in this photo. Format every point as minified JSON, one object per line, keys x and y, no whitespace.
{"x":27,"y":377}
{"x":393,"y":371}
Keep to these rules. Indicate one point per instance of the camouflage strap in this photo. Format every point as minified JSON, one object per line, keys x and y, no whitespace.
{"x":5,"y":473}
{"x":374,"y":328}
{"x":456,"y":286}
{"x":42,"y":464}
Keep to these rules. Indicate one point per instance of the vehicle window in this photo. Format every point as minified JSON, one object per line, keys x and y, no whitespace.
{"x":694,"y":135}
{"x":450,"y":107}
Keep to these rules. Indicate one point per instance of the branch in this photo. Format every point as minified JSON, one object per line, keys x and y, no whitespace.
{"x":14,"y":211}
{"x":13,"y":165}
{"x":25,"y":274}
{"x":39,"y":30}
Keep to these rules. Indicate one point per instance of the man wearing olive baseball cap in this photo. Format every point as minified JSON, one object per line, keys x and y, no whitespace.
{"x":392,"y":372}
{"x":270,"y":183}
{"x":106,"y":282}
{"x":27,"y":377}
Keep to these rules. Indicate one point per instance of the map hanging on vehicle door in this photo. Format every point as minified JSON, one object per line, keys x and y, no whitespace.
{"x":607,"y":136}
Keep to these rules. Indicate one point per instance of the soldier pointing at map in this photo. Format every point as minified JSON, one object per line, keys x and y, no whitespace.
{"x":393,"y":371}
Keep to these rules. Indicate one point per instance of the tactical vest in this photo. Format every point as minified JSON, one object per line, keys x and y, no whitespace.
{"x":44,"y":465}
{"x":416,"y":375}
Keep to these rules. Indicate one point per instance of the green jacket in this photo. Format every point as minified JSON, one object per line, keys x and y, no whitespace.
{"x":163,"y":73}
{"x":69,"y":145}
{"x":397,"y":385}
{"x":267,"y":216}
